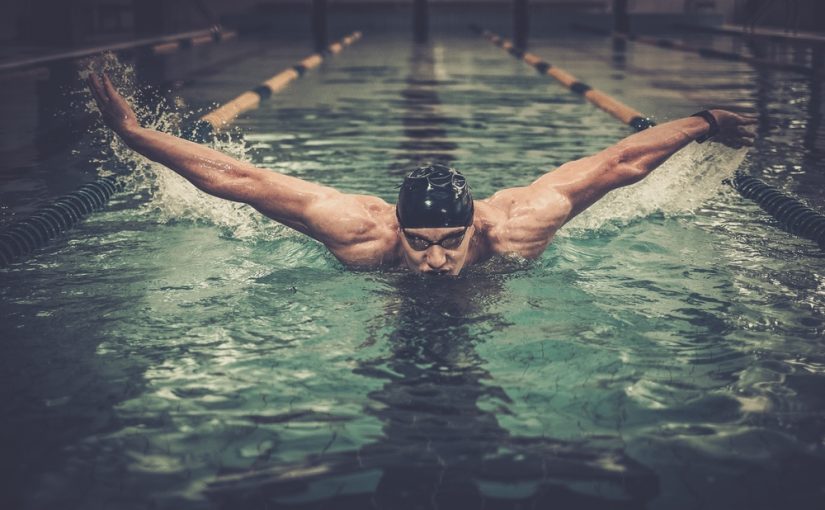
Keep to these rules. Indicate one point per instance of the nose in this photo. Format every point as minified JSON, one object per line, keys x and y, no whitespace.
{"x":436,"y":258}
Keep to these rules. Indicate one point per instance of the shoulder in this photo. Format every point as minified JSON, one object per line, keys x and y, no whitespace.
{"x":349,"y":218}
{"x":520,"y":221}
{"x":366,"y":232}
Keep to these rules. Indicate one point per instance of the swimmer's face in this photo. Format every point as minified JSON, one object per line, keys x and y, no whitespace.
{"x":436,"y":250}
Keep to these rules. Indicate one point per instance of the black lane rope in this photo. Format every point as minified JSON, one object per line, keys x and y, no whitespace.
{"x":48,"y":222}
{"x":670,"y":44}
{"x":795,"y":216}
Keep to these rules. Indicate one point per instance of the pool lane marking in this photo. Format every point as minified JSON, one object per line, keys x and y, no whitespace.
{"x":614,"y":107}
{"x":796,"y":217}
{"x":757,"y":33}
{"x":135,"y":44}
{"x":223,"y":116}
{"x":670,"y":44}
{"x":165,"y":48}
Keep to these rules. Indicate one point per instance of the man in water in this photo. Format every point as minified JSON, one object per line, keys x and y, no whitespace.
{"x":436,"y":227}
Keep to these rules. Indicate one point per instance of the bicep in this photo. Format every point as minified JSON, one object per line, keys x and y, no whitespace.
{"x":527,"y":219}
{"x":583,"y":182}
{"x":283,"y":198}
{"x":338,"y":220}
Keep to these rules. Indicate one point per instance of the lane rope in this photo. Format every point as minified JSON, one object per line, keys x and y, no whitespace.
{"x":216,"y":35}
{"x":670,"y":44}
{"x":50,"y":221}
{"x":617,"y":109}
{"x":223,"y":116}
{"x":795,"y":216}
{"x":165,"y":43}
{"x":807,"y":38}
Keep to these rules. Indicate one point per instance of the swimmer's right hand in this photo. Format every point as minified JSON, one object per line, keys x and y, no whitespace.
{"x":116,"y":112}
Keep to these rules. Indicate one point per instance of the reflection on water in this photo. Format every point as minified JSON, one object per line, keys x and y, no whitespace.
{"x":424,"y":124}
{"x":439,"y":447}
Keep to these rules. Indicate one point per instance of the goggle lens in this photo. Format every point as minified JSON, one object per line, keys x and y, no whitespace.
{"x":448,"y":243}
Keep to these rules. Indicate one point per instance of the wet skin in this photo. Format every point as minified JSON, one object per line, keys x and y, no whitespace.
{"x":362,"y":231}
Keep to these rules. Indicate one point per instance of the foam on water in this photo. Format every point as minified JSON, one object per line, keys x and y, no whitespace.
{"x":170,"y":197}
{"x":678,"y":187}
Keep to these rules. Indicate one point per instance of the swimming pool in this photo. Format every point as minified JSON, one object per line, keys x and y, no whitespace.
{"x":175,"y":351}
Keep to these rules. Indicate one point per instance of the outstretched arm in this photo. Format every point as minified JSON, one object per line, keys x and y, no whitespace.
{"x":585,"y":181}
{"x":299,"y":204}
{"x":536,"y":211}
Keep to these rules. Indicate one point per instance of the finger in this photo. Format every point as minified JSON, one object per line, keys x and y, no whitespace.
{"x":110,"y":89}
{"x":102,"y":90}
{"x":749,"y":120}
{"x":94,"y":86}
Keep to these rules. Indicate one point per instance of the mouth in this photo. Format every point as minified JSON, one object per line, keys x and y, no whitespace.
{"x":440,"y":272}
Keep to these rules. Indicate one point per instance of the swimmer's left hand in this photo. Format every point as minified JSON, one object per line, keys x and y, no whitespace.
{"x":116,"y":112}
{"x":735,"y":131}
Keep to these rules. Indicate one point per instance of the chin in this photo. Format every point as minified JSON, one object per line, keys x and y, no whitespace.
{"x":448,"y":272}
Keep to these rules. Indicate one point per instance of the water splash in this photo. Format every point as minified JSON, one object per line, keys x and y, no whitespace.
{"x":680,"y":186}
{"x":171,"y":198}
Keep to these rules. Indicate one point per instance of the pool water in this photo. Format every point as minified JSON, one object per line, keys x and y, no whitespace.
{"x":667,"y":350}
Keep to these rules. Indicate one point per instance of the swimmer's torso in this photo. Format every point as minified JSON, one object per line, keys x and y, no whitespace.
{"x":377,"y":240}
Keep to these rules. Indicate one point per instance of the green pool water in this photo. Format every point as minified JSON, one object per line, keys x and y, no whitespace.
{"x":667,"y":350}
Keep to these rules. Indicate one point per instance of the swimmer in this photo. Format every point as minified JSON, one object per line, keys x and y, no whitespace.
{"x":436,"y":227}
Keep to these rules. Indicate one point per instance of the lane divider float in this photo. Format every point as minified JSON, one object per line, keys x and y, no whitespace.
{"x":670,"y":44}
{"x":23,"y":237}
{"x":216,"y":35}
{"x":223,"y":116}
{"x":617,"y":109}
{"x":794,"y":215}
{"x":166,"y":43}
{"x":757,"y":33}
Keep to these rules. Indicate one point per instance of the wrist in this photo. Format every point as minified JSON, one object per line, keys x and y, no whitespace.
{"x":129,"y":133}
{"x":713,"y":125}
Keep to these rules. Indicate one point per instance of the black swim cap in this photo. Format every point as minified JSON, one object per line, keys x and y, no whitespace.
{"x":434,"y":196}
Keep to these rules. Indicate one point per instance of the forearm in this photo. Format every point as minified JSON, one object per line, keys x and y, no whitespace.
{"x":208,"y":169}
{"x":645,"y":151}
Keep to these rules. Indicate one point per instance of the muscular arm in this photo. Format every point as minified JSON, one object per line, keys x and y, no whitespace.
{"x":338,"y":220}
{"x":281,"y":197}
{"x":536,"y":211}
